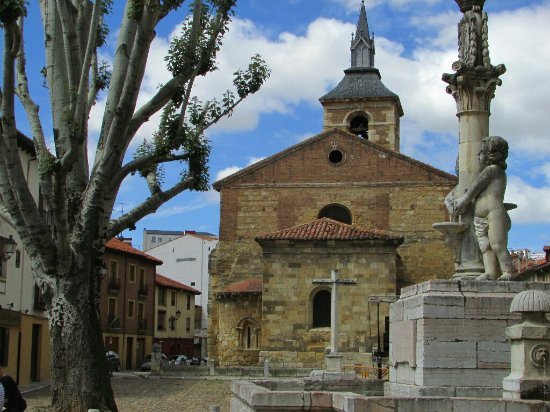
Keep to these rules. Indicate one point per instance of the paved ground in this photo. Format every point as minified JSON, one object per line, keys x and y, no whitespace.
{"x":143,"y":393}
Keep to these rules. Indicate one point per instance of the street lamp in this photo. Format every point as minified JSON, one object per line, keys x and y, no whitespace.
{"x":9,"y":245}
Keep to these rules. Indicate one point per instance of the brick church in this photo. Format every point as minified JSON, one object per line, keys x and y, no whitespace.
{"x":343,"y":199}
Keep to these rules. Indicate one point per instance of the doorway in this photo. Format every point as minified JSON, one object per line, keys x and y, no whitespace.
{"x":129,"y":352}
{"x":35,"y":353}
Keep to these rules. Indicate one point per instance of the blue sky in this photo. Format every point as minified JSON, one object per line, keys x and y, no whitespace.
{"x":306,"y":44}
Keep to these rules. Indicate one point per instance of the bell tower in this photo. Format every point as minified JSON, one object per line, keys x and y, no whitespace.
{"x":360,"y":103}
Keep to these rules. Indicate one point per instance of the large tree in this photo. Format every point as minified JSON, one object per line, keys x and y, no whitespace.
{"x":66,"y":240}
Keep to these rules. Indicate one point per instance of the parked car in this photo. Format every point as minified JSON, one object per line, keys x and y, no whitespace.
{"x":113,"y":360}
{"x":146,"y":365}
{"x":179,"y":360}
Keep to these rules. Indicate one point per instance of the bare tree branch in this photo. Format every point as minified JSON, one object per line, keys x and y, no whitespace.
{"x":125,"y":45}
{"x":141,"y":163}
{"x":31,"y":109}
{"x":81,"y":96}
{"x":66,"y":12}
{"x":150,"y":205}
{"x":16,"y":197}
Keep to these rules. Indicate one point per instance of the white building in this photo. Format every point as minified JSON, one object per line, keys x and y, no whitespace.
{"x":185,"y":260}
{"x":154,"y":238}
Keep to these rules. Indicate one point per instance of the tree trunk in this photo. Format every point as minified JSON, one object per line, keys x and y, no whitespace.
{"x":80,"y":374}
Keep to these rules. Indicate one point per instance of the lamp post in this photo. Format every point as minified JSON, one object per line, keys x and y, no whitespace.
{"x":9,"y":245}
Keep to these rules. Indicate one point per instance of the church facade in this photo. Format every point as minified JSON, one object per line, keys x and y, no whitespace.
{"x":343,"y":199}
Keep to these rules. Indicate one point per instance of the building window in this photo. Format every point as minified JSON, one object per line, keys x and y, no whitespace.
{"x":186,"y":259}
{"x":142,"y":323}
{"x":141,"y":280}
{"x":173,"y":298}
{"x":17,"y":258}
{"x":112,"y":317}
{"x":3,"y":266}
{"x":4,"y":345}
{"x":162,"y":296}
{"x":131,"y":305}
{"x":248,"y":333}
{"x":188,"y":302}
{"x":188,"y":324}
{"x":132,"y":274}
{"x":192,"y":283}
{"x":161,"y":320}
{"x":160,"y":239}
{"x":336,"y":212}
{"x":38,"y":302}
{"x":113,"y":269}
{"x":153,"y":239}
{"x":321,"y":309}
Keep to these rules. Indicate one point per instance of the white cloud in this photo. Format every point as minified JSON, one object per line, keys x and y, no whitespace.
{"x":353,"y":5}
{"x":227,"y":172}
{"x":234,"y":169}
{"x":204,"y":199}
{"x":533,"y":202}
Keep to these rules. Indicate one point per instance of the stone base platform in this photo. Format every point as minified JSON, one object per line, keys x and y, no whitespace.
{"x":448,"y":338}
{"x":263,"y":396}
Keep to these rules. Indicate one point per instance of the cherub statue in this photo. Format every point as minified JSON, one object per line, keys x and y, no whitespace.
{"x":491,"y":220}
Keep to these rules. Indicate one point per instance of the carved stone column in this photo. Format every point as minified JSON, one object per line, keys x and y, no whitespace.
{"x":473,"y":86}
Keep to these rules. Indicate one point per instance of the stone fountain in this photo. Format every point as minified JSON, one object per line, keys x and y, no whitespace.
{"x":473,"y":86}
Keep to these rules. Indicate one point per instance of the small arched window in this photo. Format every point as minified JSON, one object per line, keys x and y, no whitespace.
{"x":359,"y":125}
{"x":321,"y":309}
{"x":248,"y":333}
{"x":336,"y":212}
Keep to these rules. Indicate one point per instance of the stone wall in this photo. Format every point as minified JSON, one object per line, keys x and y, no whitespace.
{"x":289,"y":270}
{"x":225,"y":346}
{"x":248,"y":396}
{"x":406,"y":209}
{"x":383,"y":119}
{"x":381,"y":189}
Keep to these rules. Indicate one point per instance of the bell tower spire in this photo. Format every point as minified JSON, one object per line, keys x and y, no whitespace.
{"x":362,"y":45}
{"x":360,"y":103}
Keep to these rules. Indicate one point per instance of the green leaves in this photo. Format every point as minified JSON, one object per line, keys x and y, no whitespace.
{"x":11,"y":10}
{"x":103,"y":76}
{"x":249,"y":81}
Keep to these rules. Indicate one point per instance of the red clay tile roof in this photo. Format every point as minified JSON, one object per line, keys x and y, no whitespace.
{"x":252,"y":285}
{"x":328,"y":229}
{"x":171,"y":283}
{"x":122,"y":247}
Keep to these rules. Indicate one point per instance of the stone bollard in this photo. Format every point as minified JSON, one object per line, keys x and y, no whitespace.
{"x":266,"y":368}
{"x":530,"y":348}
{"x":156,"y":359}
{"x":211,"y":364}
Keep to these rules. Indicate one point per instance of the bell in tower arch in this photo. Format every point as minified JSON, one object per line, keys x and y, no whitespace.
{"x":359,"y":125}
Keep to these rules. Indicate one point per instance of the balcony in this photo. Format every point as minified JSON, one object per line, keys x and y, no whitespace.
{"x":142,"y":327}
{"x":113,"y":323}
{"x":114,"y":285}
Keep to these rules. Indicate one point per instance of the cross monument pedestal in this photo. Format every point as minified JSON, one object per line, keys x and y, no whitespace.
{"x":333,"y":359}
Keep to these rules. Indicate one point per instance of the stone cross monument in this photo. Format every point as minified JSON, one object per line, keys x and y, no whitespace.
{"x":473,"y":86}
{"x":333,"y":358}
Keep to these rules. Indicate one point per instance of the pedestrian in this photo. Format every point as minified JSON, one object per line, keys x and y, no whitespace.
{"x":2,"y":395}
{"x":14,"y":402}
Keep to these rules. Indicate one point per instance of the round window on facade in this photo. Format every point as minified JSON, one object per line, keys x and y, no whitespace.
{"x":335,"y":156}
